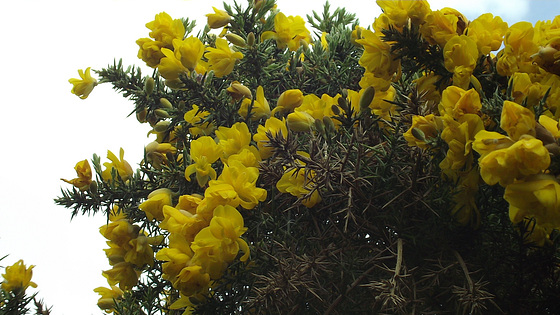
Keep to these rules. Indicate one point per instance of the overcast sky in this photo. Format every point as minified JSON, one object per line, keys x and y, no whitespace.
{"x":48,"y":129}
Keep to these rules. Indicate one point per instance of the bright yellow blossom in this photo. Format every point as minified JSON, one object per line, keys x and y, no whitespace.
{"x":288,"y":32}
{"x":179,"y":221}
{"x":243,"y":181}
{"x":259,"y":107}
{"x":82,"y":87}
{"x":218,"y":19}
{"x":18,"y":277}
{"x":122,"y":273}
{"x":460,"y":55}
{"x":83,"y":181}
{"x":439,"y":27}
{"x":537,"y":197}
{"x":457,"y":102}
{"x":153,"y":206}
{"x":299,"y":183}
{"x":459,"y":136}
{"x":377,"y":57}
{"x":150,"y":51}
{"x":528,"y":156}
{"x":222,"y":58}
{"x":488,"y":32}
{"x":517,"y":120}
{"x":288,"y":101}
{"x":122,"y":168}
{"x":428,"y":127}
{"x":189,"y":51}
{"x":204,"y":152}
{"x":237,"y":91}
{"x":274,"y":126}
{"x":300,"y":121}
{"x":233,"y":139}
{"x":108,"y":297}
{"x":165,"y":29}
{"x":197,"y":118}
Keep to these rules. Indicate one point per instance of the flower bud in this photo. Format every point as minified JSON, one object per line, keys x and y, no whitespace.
{"x":162,"y":126}
{"x":238,"y":91}
{"x":161,"y":113}
{"x":367,"y":97}
{"x":543,"y":134}
{"x":336,"y":109}
{"x":149,"y":86}
{"x":218,"y":19}
{"x":165,"y":103}
{"x":141,"y":114}
{"x":320,"y":126}
{"x":93,"y":187}
{"x":553,"y":149}
{"x":329,"y":124}
{"x":236,"y":40}
{"x":300,"y":121}
{"x":251,"y":39}
{"x":418,"y":134}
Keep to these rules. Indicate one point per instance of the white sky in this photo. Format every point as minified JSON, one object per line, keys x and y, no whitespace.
{"x":48,"y":129}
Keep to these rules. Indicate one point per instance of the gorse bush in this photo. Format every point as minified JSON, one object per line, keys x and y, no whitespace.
{"x":409,"y":167}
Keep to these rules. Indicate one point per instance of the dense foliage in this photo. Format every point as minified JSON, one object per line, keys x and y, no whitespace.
{"x":405,"y":168}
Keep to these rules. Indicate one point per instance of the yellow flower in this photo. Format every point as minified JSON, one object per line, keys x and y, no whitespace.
{"x":82,"y":87}
{"x":218,"y":19}
{"x":108,"y":297}
{"x":439,"y":27}
{"x":150,"y":51}
{"x":122,"y":168}
{"x":551,"y":125}
{"x":457,"y":102}
{"x":222,"y":58}
{"x":189,"y":51}
{"x":300,"y":121}
{"x":169,"y":66}
{"x":377,"y":57}
{"x":204,"y":152}
{"x":517,"y":120}
{"x":428,"y":127}
{"x":525,"y":157}
{"x":288,"y":32}
{"x":288,"y":101}
{"x":488,"y":32}
{"x":156,"y":153}
{"x":234,"y":139}
{"x":179,"y":221}
{"x":489,"y":141}
{"x":224,"y":234}
{"x":460,"y":55}
{"x":18,"y":277}
{"x":259,"y":107}
{"x":177,"y":256}
{"x":238,"y":91}
{"x":524,"y":90}
{"x":165,"y":29}
{"x":537,"y":197}
{"x":274,"y":126}
{"x":249,"y":156}
{"x":153,"y":206}
{"x":400,"y":11}
{"x":84,"y":176}
{"x":122,"y":273}
{"x":243,"y":180}
{"x":459,"y":136}
{"x":519,"y":47}
{"x":196,"y":118}
{"x":324,"y":43}
{"x":300,"y":183}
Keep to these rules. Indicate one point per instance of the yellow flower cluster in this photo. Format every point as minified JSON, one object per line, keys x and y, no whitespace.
{"x":18,"y":277}
{"x":129,"y":250}
{"x":518,"y":155}
{"x":172,"y":54}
